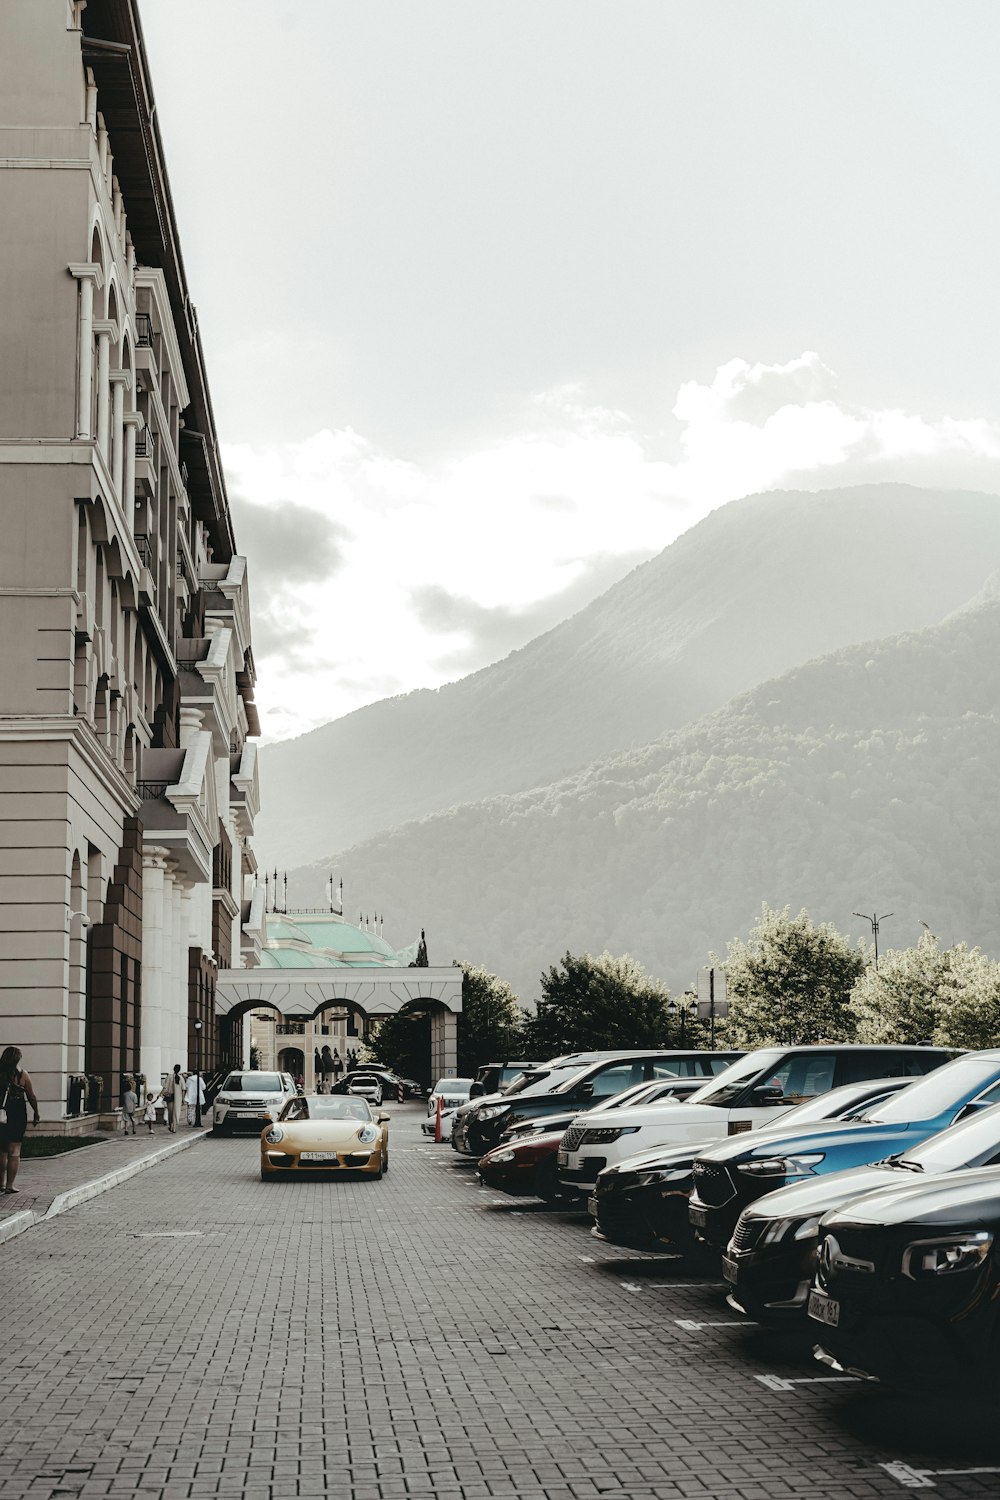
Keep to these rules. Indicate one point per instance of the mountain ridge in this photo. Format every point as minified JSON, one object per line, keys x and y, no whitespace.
{"x":753,"y":588}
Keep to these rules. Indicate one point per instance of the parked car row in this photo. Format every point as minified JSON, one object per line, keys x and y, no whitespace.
{"x":853,"y":1189}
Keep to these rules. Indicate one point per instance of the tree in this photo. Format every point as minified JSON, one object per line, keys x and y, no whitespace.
{"x":950,"y":996}
{"x":491,"y":1025}
{"x":791,"y":982}
{"x":403,"y":1043}
{"x":603,"y":1002}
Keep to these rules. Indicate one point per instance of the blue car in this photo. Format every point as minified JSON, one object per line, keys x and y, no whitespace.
{"x":731,"y":1174}
{"x":771,"y":1258}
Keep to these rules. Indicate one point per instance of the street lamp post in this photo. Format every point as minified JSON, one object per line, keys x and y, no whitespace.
{"x":197,"y":1053}
{"x":875,"y":921}
{"x":685,"y":1009}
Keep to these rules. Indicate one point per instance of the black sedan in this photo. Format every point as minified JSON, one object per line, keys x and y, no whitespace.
{"x":642,"y":1202}
{"x":908,"y":1283}
{"x":771,"y":1259}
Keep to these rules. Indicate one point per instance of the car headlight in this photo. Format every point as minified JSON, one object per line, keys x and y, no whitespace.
{"x":662,"y":1174}
{"x":274,"y":1135}
{"x":368,"y":1135}
{"x":504,"y":1156}
{"x":608,"y":1133}
{"x":491,"y":1111}
{"x":796,"y":1229}
{"x":944,"y":1257}
{"x":781,"y":1166}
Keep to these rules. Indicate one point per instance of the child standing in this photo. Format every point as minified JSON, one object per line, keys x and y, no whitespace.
{"x":130,"y":1103}
{"x":149,"y":1113}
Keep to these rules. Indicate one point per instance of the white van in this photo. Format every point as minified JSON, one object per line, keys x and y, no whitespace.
{"x":754,"y":1091}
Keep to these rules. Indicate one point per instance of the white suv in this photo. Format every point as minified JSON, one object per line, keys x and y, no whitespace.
{"x":250,"y":1100}
{"x":753,"y":1092}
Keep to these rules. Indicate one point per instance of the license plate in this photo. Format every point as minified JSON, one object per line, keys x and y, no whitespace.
{"x":247,"y":1114}
{"x":562,"y":1159}
{"x":592,"y":1206}
{"x":824,"y":1309}
{"x":317,"y":1156}
{"x":697,"y":1216}
{"x":729,"y":1270}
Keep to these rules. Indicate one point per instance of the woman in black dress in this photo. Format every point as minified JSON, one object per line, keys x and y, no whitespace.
{"x":16,"y":1094}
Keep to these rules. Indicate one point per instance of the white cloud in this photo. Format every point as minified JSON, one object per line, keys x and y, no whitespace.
{"x":410,"y":574}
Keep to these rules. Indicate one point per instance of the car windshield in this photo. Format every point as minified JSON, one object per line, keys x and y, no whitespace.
{"x":960,"y":1144}
{"x":938,"y":1090}
{"x":252,"y":1083}
{"x":326,"y":1107}
{"x":453,"y":1086}
{"x":526,"y":1081}
{"x":849,"y":1102}
{"x":731,"y":1082}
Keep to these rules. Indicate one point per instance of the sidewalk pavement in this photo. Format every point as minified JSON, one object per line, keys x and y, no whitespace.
{"x":49,"y":1185}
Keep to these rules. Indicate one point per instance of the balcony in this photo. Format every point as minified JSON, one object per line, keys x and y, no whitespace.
{"x":143,"y":331}
{"x":144,"y":549}
{"x":152,"y":791}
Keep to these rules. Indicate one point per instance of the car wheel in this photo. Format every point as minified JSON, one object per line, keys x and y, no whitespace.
{"x":218,"y":1132}
{"x":385,"y":1162}
{"x":547,"y":1182}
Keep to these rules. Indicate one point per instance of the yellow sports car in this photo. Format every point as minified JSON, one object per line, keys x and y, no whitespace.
{"x":325,"y":1133}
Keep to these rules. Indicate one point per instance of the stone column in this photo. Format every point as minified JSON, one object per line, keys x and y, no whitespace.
{"x":134,"y":422}
{"x":121,"y":381}
{"x":190,"y":725}
{"x":154,"y":976}
{"x":106,"y":333}
{"x":88,"y":274}
{"x":444,"y":1044}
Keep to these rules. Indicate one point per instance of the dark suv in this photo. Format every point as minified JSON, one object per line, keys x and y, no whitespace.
{"x":908,"y":1283}
{"x":492,"y":1077}
{"x":484,"y":1122}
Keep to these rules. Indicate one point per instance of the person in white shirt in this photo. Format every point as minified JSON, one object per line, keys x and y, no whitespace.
{"x":194,"y":1094}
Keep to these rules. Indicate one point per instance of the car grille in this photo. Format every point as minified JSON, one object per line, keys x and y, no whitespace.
{"x":243,"y":1103}
{"x":573,"y":1137}
{"x":713,"y":1185}
{"x":748,"y":1233}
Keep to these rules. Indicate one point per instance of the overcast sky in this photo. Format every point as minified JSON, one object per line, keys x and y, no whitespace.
{"x":499,"y":296}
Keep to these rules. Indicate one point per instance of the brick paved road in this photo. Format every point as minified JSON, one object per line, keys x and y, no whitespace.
{"x":198,"y":1333}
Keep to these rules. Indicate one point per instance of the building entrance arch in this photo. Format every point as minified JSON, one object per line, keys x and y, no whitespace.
{"x":301,"y":996}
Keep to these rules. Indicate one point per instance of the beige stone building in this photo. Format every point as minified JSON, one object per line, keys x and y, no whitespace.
{"x":128,"y":777}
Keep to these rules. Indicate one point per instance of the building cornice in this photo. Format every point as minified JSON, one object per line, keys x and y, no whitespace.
{"x":25,"y":729}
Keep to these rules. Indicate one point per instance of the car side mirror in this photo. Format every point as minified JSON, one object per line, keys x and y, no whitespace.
{"x":382,"y":1119}
{"x":972,"y":1108}
{"x":768,"y":1093}
{"x":585,"y":1091}
{"x":476,"y":1090}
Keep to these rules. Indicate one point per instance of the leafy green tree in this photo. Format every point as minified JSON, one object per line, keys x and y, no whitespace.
{"x":603,"y":1002}
{"x":791,"y":982}
{"x":950,"y":996}
{"x":491,"y":1025}
{"x":403,"y":1043}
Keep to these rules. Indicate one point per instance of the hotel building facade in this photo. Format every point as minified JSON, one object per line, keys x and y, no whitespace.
{"x":128,"y":771}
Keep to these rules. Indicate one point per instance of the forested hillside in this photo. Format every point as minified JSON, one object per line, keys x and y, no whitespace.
{"x":761,"y":585}
{"x":869,"y":779}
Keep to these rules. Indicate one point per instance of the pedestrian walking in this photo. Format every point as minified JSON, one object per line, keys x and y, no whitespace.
{"x":173,"y":1098}
{"x":130,"y":1103}
{"x":194,"y":1095}
{"x":16,"y":1094}
{"x":149,"y":1113}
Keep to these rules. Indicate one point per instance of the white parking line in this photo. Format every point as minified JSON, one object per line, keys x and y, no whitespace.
{"x":690,"y":1326}
{"x":923,"y":1479}
{"x":682,"y":1286}
{"x":786,"y":1383}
